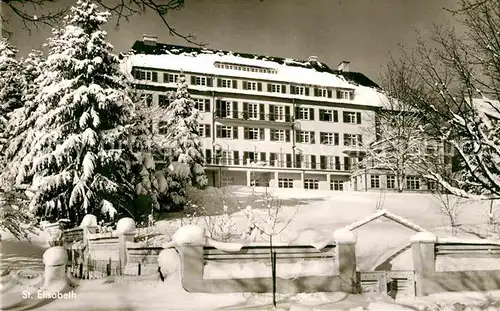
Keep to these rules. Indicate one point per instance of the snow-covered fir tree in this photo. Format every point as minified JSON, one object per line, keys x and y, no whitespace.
{"x":11,"y":90}
{"x":181,"y":135}
{"x":82,"y":108}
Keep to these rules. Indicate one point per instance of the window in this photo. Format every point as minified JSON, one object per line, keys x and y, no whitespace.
{"x":431,"y":184}
{"x":200,"y":81}
{"x":336,"y":185}
{"x":300,"y":90}
{"x":164,"y":101}
{"x":311,"y":184}
{"x":225,"y":158}
{"x":303,"y":114}
{"x":331,"y":139}
{"x":412,"y":183}
{"x":391,"y":182}
{"x":275,"y":88}
{"x":305,"y":137}
{"x":252,"y":86}
{"x":277,"y":159}
{"x":224,"y":131}
{"x":204,"y":130}
{"x":227,"y":109}
{"x":321,"y":92}
{"x":226,"y":83}
{"x":328,"y":115}
{"x":199,"y":103}
{"x":171,"y":78}
{"x":147,"y":98}
{"x":279,"y":113}
{"x":254,"y":133}
{"x":345,"y":94}
{"x":285,"y":183}
{"x":352,"y":140}
{"x":146,"y":75}
{"x":374,"y":181}
{"x":351,"y":117}
{"x":253,"y":111}
{"x":278,"y":135}
{"x":309,"y":161}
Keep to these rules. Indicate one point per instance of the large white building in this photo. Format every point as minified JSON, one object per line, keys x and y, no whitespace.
{"x":264,"y":120}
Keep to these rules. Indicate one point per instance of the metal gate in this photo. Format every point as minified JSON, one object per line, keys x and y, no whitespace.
{"x":394,"y":283}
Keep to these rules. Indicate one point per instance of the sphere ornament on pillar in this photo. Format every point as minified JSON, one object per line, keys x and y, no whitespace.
{"x":125,"y":225}
{"x":89,"y":221}
{"x":344,"y":236}
{"x":55,"y":256}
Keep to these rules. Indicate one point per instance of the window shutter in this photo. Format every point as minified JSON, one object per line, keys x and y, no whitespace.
{"x":283,"y":88}
{"x":269,"y":87}
{"x":321,"y":115}
{"x":208,"y":156}
{"x":292,"y":89}
{"x":347,"y":163}
{"x":263,"y":157}
{"x":155,"y":76}
{"x":339,"y":94}
{"x":236,"y":157}
{"x":329,"y":92}
{"x":207,"y":130}
{"x":262,"y":134}
{"x":271,"y":112}
{"x":337,"y":163}
{"x":297,"y":113}
{"x":288,"y":160}
{"x":344,"y":117}
{"x":297,"y":161}
{"x":313,"y":161}
{"x":358,"y":117}
{"x":245,"y":110}
{"x":259,"y":86}
{"x":312,"y":135}
{"x":246,"y":155}
{"x":272,"y":158}
{"x":207,"y":105}
{"x":287,"y":113}
{"x":219,"y":82}
{"x":235,"y":84}
{"x":193,"y":80}
{"x":218,"y":106}
{"x":335,"y":116}
{"x":235,"y":132}
{"x":311,"y":114}
{"x":316,"y":91}
{"x":360,"y":139}
{"x":262,"y":112}
{"x":209,"y":82}
{"x":336,"y":139}
{"x":245,"y":133}
{"x":136,"y":74}
{"x":346,"y":140}
{"x":322,"y":162}
{"x":287,"y":136}
{"x":351,"y":95}
{"x":245,"y":85}
{"x":307,"y":90}
{"x":272,"y":133}
{"x":223,"y":109}
{"x":218,"y":129}
{"x":235,"y":110}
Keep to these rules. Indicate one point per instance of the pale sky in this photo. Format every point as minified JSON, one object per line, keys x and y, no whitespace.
{"x":360,"y":31}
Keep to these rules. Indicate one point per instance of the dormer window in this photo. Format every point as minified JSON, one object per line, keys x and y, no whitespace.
{"x":248,"y":68}
{"x":147,"y":75}
{"x":345,"y":94}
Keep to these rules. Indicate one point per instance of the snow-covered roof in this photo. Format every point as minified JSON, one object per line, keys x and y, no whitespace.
{"x":488,"y":106}
{"x":189,"y":59}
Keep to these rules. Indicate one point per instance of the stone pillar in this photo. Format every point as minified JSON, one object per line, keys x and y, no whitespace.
{"x":126,"y":232}
{"x":276,"y":179}
{"x":54,"y":277}
{"x":424,"y":259}
{"x":249,"y":178}
{"x":345,"y":259}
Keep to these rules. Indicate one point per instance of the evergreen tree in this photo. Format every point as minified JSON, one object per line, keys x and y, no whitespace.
{"x":182,"y":139}
{"x":82,"y":109}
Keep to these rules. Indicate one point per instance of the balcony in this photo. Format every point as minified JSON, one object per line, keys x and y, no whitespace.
{"x":254,"y":118}
{"x":276,"y":164}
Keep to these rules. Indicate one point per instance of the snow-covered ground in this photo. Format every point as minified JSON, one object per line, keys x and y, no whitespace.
{"x":316,"y":215}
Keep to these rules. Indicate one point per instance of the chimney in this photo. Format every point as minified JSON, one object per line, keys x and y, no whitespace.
{"x":344,"y":66}
{"x":149,"y":40}
{"x":312,"y":59}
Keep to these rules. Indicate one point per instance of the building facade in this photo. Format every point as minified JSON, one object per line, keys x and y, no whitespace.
{"x":267,"y":121}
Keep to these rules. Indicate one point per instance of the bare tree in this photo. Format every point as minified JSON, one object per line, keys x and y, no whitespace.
{"x":455,"y":82}
{"x":450,"y":206}
{"x":35,"y":13}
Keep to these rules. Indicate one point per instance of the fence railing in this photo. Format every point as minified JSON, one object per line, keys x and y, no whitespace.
{"x":95,"y":269}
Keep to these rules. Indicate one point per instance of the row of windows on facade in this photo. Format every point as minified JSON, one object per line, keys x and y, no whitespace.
{"x":304,"y":90}
{"x":280,"y":135}
{"x":257,"y":111}
{"x":310,"y":183}
{"x":248,"y":68}
{"x":283,"y":160}
{"x":412,"y":182}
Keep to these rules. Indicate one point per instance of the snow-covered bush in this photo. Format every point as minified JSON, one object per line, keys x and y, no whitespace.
{"x":190,"y":234}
